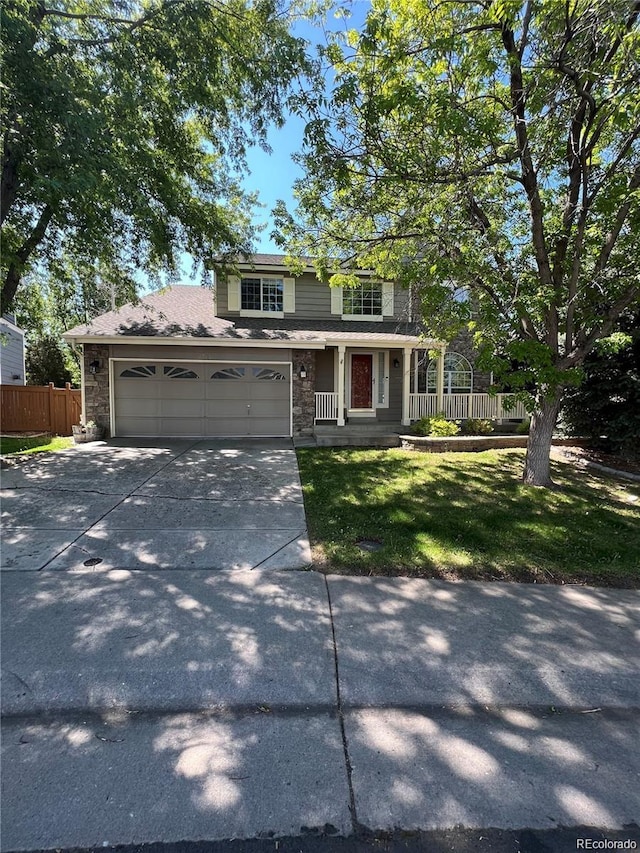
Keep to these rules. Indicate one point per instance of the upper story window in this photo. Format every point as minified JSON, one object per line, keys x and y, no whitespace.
{"x":369,"y":300}
{"x":262,"y":294}
{"x":258,"y":295}
{"x":365,"y":299}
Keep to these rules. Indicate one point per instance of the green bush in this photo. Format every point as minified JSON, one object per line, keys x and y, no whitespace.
{"x":523,"y":427}
{"x":606,"y":406}
{"x":477,"y":426}
{"x":436,"y":425}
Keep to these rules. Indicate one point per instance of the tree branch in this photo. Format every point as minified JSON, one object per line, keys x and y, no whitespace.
{"x":530,"y":182}
{"x":18,"y":262}
{"x":621,"y":215}
{"x":585,"y":343}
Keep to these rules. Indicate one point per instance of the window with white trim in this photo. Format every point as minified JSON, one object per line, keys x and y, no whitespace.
{"x":229,"y":373}
{"x":363,"y":300}
{"x":458,"y":373}
{"x":267,"y":373}
{"x":179,"y":373}
{"x":140,"y":372}
{"x":262,"y":294}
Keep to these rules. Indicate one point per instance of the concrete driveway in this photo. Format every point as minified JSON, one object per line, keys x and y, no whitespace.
{"x":156,"y":504}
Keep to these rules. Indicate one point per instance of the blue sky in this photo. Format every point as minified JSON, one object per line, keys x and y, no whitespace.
{"x":272,"y":175}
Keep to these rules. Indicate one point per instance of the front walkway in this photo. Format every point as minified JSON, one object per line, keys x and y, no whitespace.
{"x":136,"y":504}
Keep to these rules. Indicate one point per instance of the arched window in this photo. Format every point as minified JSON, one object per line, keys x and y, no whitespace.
{"x":458,"y":374}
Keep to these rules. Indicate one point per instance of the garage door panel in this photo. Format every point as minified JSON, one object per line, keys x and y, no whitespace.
{"x":137,"y":408}
{"x":270,"y":426}
{"x":138,"y":426}
{"x":181,"y":408}
{"x":227,"y":391}
{"x":226,"y":426}
{"x":181,"y":427}
{"x":227,"y":408}
{"x":266,"y":409}
{"x":269,"y":391}
{"x":137,"y":389}
{"x":182,"y":389}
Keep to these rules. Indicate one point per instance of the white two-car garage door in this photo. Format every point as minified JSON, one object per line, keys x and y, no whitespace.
{"x":184,"y":398}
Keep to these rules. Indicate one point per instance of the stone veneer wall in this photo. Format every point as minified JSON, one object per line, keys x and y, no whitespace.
{"x":304,"y":401}
{"x":96,"y":386}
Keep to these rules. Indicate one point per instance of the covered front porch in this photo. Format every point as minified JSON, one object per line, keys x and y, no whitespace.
{"x":399,"y":385}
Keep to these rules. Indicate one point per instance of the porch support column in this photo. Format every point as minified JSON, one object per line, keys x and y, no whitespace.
{"x":406,"y":384}
{"x":440,"y":379}
{"x":341,"y":400}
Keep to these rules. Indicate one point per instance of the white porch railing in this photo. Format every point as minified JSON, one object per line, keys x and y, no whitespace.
{"x":422,"y":406}
{"x":456,"y":406}
{"x":326,"y":406}
{"x":462,"y":406}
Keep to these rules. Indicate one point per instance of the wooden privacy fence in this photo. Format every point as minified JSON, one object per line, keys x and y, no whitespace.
{"x":39,"y":408}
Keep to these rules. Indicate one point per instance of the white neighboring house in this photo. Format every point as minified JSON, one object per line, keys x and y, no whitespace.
{"x":11,"y":351}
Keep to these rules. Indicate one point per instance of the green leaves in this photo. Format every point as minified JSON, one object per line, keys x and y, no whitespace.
{"x":131,"y":121}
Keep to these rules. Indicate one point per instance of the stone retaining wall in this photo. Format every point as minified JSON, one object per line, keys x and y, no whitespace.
{"x":466,"y":443}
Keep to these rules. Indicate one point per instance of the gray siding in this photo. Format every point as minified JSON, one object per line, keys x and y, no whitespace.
{"x":313,"y":299}
{"x":11,"y":354}
{"x":401,"y":303}
{"x":222,"y":301}
{"x":325,"y":370}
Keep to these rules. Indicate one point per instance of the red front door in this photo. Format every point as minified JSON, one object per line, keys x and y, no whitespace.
{"x":361,"y":376}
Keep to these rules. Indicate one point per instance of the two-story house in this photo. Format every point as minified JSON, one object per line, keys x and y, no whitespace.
{"x":267,"y":353}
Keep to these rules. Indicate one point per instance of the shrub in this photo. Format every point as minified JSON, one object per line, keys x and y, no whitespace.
{"x":523,"y":427}
{"x":606,"y":406}
{"x":477,"y":426}
{"x":436,"y":425}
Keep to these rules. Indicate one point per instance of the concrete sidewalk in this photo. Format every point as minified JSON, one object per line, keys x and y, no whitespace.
{"x":175,"y":705}
{"x":173,"y":640}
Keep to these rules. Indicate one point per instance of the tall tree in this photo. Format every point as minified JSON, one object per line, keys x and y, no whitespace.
{"x":124,"y":123}
{"x":489,"y":149}
{"x":48,"y":302}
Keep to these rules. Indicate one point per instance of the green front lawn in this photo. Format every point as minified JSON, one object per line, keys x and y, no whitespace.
{"x":467,"y":515}
{"x":33,"y":443}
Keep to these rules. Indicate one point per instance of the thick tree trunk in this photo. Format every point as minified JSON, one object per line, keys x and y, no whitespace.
{"x":537,"y":465}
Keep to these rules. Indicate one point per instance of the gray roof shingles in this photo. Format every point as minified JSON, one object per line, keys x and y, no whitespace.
{"x":185,"y":311}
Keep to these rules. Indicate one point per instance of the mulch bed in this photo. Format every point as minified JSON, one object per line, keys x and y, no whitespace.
{"x":588,"y":454}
